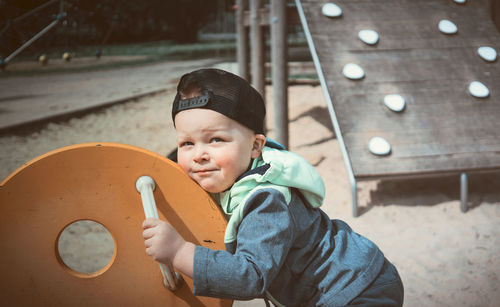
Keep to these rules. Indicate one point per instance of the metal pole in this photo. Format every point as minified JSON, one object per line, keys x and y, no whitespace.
{"x":242,"y":40}
{"x":463,"y":192}
{"x":279,"y":70}
{"x":257,"y":50}
{"x":331,"y":110}
{"x":61,"y":7}
{"x":31,"y":40}
{"x":354,"y":194}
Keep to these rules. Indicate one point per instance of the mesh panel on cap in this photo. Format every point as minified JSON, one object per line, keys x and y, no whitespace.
{"x":223,"y":85}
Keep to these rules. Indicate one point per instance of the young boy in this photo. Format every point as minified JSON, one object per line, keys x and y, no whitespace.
{"x":279,"y":244}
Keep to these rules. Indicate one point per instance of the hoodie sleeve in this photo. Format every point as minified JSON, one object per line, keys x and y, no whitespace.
{"x":264,"y":238}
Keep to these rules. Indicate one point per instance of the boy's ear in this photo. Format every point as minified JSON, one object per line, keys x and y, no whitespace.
{"x":258,"y":144}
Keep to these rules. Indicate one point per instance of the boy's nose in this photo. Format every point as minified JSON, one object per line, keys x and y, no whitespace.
{"x":200,"y":154}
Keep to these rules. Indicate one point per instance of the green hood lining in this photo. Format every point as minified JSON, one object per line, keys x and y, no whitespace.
{"x":282,"y":170}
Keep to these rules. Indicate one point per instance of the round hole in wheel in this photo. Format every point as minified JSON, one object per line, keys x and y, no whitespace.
{"x":86,"y":248}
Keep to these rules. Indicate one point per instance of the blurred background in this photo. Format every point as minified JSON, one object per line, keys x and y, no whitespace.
{"x":160,"y":30}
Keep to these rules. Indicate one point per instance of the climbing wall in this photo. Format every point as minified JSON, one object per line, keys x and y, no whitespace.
{"x":442,"y":128}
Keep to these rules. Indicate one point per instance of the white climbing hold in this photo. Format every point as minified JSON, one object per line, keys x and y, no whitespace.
{"x":331,"y":10}
{"x":487,"y":53}
{"x":478,"y":89}
{"x":447,"y":27}
{"x":353,"y":71}
{"x":394,"y":102}
{"x":459,"y":1}
{"x":369,"y":37}
{"x":379,"y":146}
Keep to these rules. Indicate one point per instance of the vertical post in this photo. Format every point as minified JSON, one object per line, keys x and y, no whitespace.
{"x":242,"y":40}
{"x":463,"y":192}
{"x":354,"y":195}
{"x":257,"y":50}
{"x":279,"y":70}
{"x":218,"y":24}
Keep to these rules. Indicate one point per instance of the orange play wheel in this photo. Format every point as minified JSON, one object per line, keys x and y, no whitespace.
{"x":96,"y":182}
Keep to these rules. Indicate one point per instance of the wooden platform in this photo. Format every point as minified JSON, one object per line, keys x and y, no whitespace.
{"x":443,"y":128}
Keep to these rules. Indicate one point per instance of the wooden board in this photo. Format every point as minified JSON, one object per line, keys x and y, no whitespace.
{"x":443,"y":128}
{"x":96,"y":182}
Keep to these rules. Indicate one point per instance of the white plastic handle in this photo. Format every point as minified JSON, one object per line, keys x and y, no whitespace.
{"x":146,"y":185}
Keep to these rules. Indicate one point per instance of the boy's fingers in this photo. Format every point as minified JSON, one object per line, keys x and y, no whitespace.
{"x":150,"y":222}
{"x":148,"y":233}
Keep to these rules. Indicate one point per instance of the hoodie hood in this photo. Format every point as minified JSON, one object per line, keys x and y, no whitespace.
{"x":276,"y":169}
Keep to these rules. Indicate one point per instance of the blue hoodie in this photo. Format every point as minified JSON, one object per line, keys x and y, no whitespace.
{"x":280,"y":245}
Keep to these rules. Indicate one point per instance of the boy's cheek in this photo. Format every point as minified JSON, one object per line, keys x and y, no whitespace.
{"x":183,"y":164}
{"x":186,"y":170}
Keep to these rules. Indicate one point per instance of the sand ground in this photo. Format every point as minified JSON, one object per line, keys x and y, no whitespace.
{"x":445,"y":257}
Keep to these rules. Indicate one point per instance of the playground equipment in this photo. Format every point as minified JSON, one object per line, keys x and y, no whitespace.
{"x":443,"y":129}
{"x":250,"y":23}
{"x":60,"y":16}
{"x":99,"y":182}
{"x":46,"y":10}
{"x":439,"y":86}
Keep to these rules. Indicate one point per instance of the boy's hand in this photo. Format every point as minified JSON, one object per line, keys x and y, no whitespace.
{"x":161,"y":239}
{"x":165,"y":245}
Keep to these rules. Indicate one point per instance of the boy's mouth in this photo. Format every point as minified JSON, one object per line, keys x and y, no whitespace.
{"x":204,"y":172}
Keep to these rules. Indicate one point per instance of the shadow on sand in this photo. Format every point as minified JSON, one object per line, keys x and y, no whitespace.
{"x":482,"y":187}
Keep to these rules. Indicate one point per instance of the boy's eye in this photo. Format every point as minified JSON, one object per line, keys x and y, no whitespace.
{"x":216,"y":140}
{"x":183,"y":144}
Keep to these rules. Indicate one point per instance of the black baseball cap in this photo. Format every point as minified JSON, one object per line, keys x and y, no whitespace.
{"x":223,"y":92}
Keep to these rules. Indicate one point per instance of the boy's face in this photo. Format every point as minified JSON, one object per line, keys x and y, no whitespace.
{"x":213,"y":149}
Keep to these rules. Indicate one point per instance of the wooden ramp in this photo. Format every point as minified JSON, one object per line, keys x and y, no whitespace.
{"x":443,"y":129}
